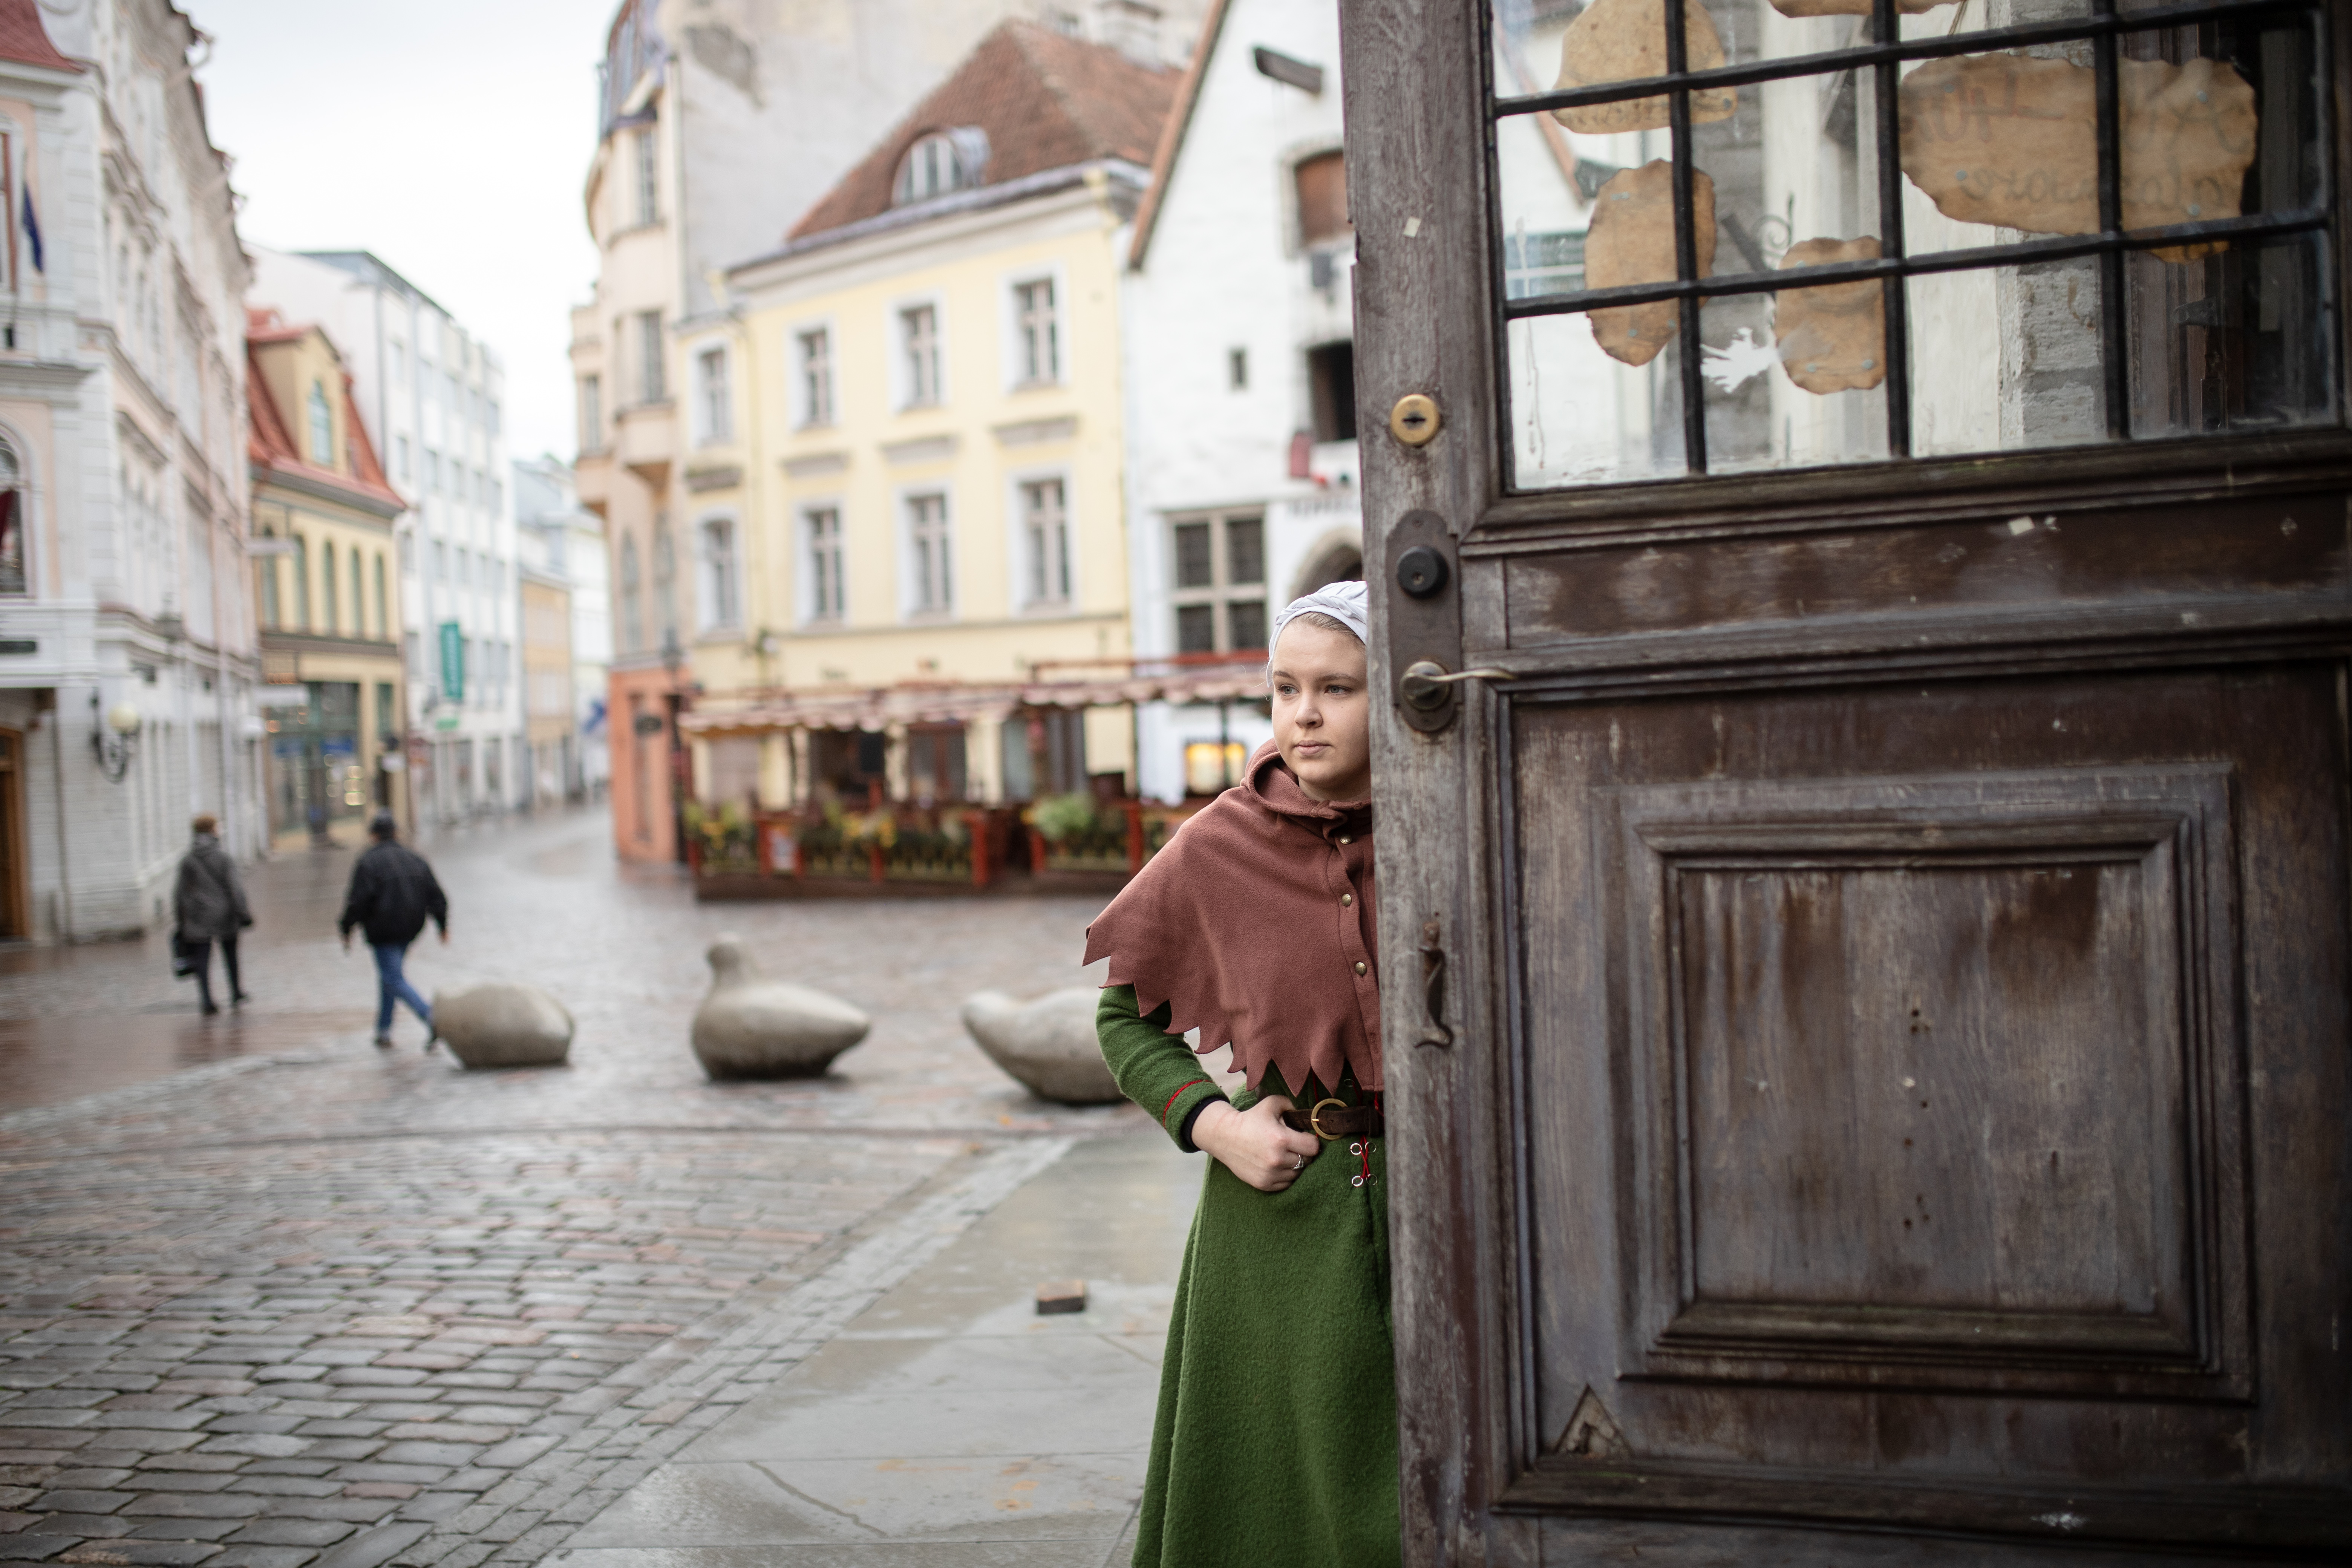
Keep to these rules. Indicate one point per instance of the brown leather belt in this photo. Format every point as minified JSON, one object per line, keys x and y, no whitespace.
{"x":1333,"y":1119}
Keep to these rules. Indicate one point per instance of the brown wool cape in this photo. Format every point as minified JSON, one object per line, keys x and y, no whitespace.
{"x":1250,"y":928}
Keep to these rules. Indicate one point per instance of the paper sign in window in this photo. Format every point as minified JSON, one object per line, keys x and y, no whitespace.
{"x":1625,"y":40}
{"x":2013,"y":141}
{"x":1631,"y":240}
{"x":1832,"y":337}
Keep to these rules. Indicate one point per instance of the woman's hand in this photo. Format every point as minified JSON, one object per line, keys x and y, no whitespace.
{"x":1254,"y":1145}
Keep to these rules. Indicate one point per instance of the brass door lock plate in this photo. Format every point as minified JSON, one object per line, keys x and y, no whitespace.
{"x":1414,"y":419}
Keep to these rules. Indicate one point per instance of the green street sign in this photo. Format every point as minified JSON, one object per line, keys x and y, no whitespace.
{"x":453,"y":662}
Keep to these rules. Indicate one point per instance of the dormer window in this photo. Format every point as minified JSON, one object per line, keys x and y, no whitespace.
{"x":322,"y":427}
{"x":942,"y":161}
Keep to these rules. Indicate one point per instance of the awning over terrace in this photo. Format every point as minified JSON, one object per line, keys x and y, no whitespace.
{"x":950,"y":702}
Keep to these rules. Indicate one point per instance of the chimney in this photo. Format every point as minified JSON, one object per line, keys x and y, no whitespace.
{"x":1131,"y":26}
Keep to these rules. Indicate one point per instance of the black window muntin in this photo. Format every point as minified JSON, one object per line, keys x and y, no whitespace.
{"x":1893,"y":265}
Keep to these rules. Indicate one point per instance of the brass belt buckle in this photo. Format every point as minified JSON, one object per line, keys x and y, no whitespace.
{"x":1315,"y":1119}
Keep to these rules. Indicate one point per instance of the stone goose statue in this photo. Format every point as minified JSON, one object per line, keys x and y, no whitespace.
{"x":753,"y":1026}
{"x":496,"y":1024}
{"x":1048,"y":1044}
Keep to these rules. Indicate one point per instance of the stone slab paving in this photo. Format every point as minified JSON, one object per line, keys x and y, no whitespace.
{"x":948,"y":1423}
{"x":338,"y":1308}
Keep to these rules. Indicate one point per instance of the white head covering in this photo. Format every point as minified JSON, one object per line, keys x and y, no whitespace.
{"x":1343,"y":602}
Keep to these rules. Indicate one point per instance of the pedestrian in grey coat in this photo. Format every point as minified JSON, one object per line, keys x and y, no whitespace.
{"x":209,"y":906}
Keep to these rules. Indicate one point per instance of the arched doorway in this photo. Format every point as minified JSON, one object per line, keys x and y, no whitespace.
{"x":1338,"y":558}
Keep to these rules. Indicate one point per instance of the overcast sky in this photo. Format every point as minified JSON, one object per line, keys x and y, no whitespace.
{"x":449,"y":137}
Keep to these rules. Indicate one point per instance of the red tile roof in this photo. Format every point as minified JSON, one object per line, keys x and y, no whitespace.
{"x":269,"y":442}
{"x":1047,"y":102}
{"x":22,"y":38}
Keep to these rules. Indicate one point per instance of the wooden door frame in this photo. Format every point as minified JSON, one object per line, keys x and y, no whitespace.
{"x":1419,"y":150}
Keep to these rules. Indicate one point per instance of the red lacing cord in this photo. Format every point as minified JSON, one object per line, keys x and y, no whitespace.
{"x":1364,"y":1174}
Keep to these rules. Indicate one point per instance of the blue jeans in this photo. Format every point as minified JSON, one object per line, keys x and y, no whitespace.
{"x":392,"y":986}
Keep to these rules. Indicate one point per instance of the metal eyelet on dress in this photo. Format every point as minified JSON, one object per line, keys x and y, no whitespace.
{"x":1355,"y":1180}
{"x":1356,"y":1149}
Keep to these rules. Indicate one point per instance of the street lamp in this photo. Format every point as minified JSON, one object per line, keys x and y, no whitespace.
{"x":112,"y":743}
{"x":673,"y":656}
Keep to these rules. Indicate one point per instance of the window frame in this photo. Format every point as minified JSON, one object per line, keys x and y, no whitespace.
{"x":1020,"y":323}
{"x":906,"y":376}
{"x":920,"y":572}
{"x":717,"y":574}
{"x":1893,"y":268}
{"x":653,"y":350}
{"x":823,"y":593}
{"x":591,"y":410}
{"x":1221,"y":593}
{"x":714,"y":397}
{"x":1038,"y":569}
{"x":815,"y":389}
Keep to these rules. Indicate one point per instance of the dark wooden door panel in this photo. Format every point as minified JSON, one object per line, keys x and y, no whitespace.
{"x":1922,"y":1088}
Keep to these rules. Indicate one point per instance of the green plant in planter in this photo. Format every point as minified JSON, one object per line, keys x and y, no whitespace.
{"x":725,"y":836}
{"x":1063,"y":817}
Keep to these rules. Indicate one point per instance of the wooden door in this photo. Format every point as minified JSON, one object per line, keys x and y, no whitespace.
{"x":1864,"y":783}
{"x":14,"y":921}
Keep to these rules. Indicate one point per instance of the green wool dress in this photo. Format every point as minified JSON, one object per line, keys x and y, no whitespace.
{"x":1276,"y":1438}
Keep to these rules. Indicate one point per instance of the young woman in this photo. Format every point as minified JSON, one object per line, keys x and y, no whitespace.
{"x":1275,"y":1439}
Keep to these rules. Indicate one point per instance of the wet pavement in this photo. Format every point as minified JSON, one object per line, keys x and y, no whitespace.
{"x":301,"y":1302}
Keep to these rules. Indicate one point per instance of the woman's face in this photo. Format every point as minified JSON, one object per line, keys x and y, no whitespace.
{"x":1322,"y":713}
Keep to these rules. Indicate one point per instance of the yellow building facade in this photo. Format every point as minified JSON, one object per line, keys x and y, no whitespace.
{"x":904,"y":466}
{"x":327,"y":585}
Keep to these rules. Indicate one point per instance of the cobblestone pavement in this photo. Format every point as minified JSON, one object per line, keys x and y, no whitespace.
{"x":326,"y":1305}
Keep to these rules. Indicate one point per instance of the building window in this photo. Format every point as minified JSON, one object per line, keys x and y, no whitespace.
{"x":322,"y":427}
{"x":1220,"y":583}
{"x":652,"y":387}
{"x":592,"y":414}
{"x":1045,"y":526}
{"x":269,"y":611}
{"x":919,"y":331}
{"x":816,"y":376}
{"x":1238,"y":369}
{"x":359,"y":597}
{"x":717,"y":407}
{"x":13,"y":579}
{"x":719,"y":592}
{"x":383,"y":604}
{"x":927,"y":539}
{"x":1322,"y":183}
{"x":327,"y":586}
{"x":301,"y":584}
{"x":646,"y":158}
{"x":1331,"y":386}
{"x":1037,"y":332}
{"x":633,"y":626}
{"x":940,"y":162}
{"x":825,"y":600}
{"x":665,"y":579}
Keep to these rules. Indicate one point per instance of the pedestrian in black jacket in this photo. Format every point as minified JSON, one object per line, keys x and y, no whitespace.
{"x":208,"y":907}
{"x":393,"y":894}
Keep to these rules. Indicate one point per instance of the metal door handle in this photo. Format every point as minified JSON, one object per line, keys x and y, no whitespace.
{"x":1432,"y":985}
{"x":1424,"y":682}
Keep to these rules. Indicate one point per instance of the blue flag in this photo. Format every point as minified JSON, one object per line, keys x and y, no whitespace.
{"x":33,"y":233}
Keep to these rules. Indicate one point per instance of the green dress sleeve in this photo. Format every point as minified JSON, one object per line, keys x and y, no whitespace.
{"x":1154,"y":1068}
